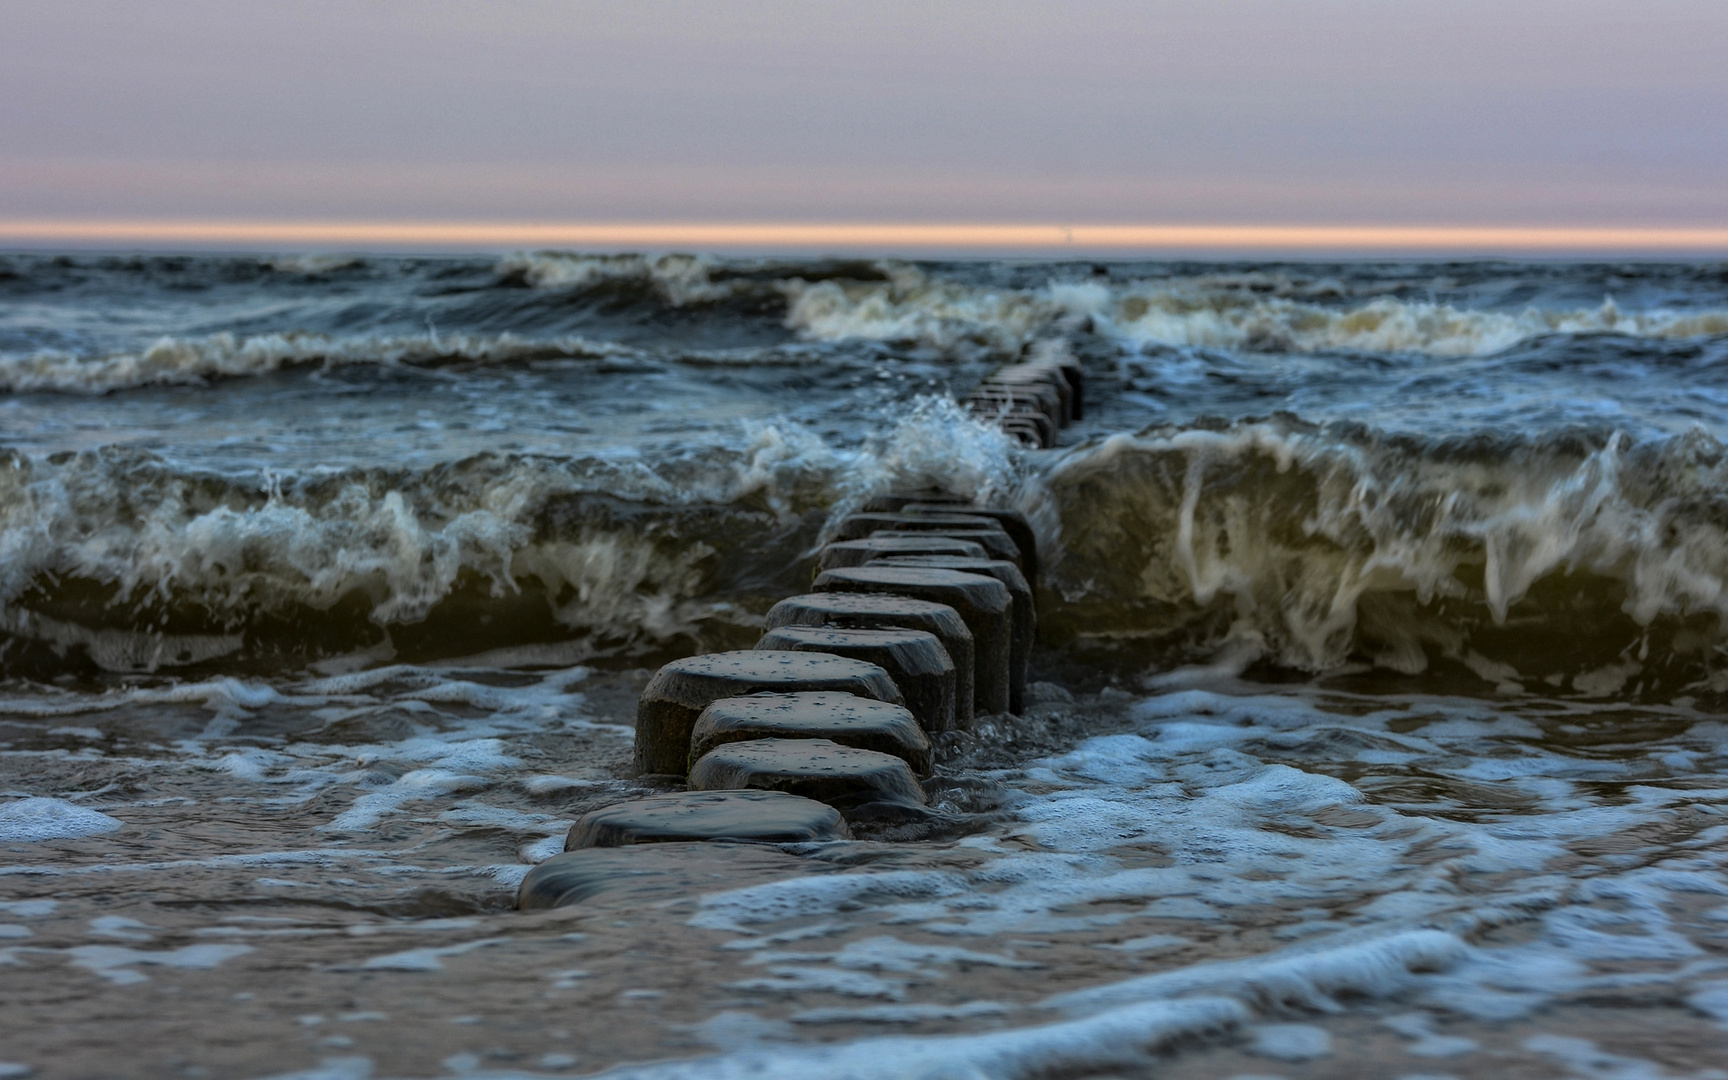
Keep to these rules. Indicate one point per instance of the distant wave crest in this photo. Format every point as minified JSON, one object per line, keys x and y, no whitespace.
{"x":884,"y":301}
{"x":1189,"y":315}
{"x":914,"y":305}
{"x":189,"y":361}
{"x":680,"y":280}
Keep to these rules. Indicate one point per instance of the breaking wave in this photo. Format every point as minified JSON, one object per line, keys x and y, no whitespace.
{"x":189,"y":361}
{"x":912,"y":305}
{"x":679,"y":279}
{"x":916,"y":306}
{"x":906,"y":302}
{"x":117,"y":560}
{"x":1574,"y":560}
{"x":1579,"y":562}
{"x":1191,"y":314}
{"x":950,"y":310}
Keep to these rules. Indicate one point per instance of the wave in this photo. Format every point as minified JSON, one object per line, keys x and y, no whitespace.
{"x":1192,"y":315}
{"x":960,"y":314}
{"x":679,"y":279}
{"x":313,"y":264}
{"x":172,"y":361}
{"x":682,"y":279}
{"x":116,"y":560}
{"x":914,"y":306}
{"x":1573,"y":560}
{"x":1241,"y":312}
{"x":1578,"y":562}
{"x":883,"y":300}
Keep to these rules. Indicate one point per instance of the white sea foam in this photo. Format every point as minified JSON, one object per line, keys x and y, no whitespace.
{"x":879,"y":967}
{"x":336,"y":1068}
{"x":912,"y":305}
{"x":1118,"y":1038}
{"x":1310,"y":978}
{"x":1581,"y":1057}
{"x":1235,"y":857}
{"x":1214,"y":816}
{"x":1291,"y":1042}
{"x":121,"y":928}
{"x":1711,"y":998}
{"x":1418,"y":1027}
{"x":1244,"y":836}
{"x":1319,"y":546}
{"x":427,"y":959}
{"x":120,"y":965}
{"x":555,"y":785}
{"x":416,"y":786}
{"x":900,"y":1014}
{"x":33,"y":821}
{"x":799,"y":897}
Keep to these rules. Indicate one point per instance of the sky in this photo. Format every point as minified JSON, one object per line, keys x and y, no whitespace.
{"x":178,"y":115}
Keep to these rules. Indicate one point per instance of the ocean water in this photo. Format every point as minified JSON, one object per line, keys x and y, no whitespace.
{"x":1377,"y":727}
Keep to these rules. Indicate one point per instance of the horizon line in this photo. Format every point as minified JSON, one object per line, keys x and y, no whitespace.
{"x":875,"y":236}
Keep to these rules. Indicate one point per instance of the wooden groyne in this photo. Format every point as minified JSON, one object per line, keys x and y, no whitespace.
{"x":919,"y":622}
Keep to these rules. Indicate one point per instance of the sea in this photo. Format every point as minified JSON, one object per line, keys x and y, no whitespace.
{"x":1376,"y":726}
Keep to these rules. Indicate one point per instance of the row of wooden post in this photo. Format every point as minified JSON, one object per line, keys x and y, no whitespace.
{"x":920,"y":620}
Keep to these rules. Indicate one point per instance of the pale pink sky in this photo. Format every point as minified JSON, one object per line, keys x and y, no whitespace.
{"x":1581,"y":113}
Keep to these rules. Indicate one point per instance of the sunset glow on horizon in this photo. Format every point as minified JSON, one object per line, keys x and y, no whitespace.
{"x":844,"y":237}
{"x":969,"y":126}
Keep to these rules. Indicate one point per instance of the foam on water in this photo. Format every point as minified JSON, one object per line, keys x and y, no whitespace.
{"x":1225,"y":789}
{"x":1128,"y":1036}
{"x":1234,"y":865}
{"x":33,"y":821}
{"x":120,"y":965}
